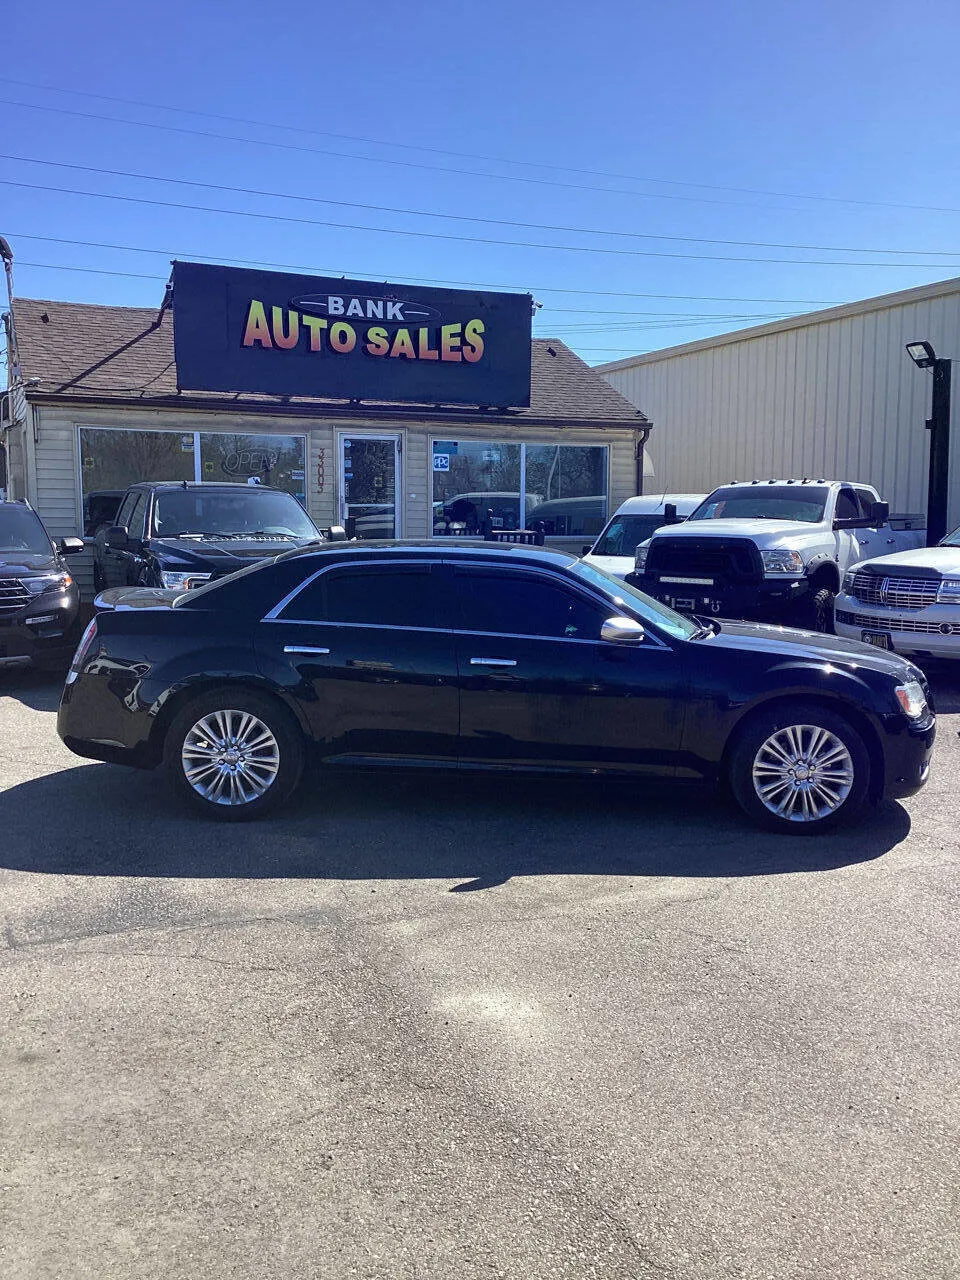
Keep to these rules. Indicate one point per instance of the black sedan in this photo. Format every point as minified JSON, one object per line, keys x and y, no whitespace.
{"x":484,"y":657}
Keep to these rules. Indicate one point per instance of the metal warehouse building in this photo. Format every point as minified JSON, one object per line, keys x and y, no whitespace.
{"x":832,"y":393}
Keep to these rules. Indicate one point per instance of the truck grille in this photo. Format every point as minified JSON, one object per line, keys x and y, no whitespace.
{"x":899,"y":593}
{"x":723,"y":560}
{"x":897,"y":624}
{"x":13,"y":596}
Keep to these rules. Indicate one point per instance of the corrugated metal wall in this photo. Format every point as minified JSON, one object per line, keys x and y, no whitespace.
{"x":839,"y":398}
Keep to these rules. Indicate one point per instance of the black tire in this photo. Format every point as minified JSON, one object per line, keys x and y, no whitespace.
{"x":751,"y":750}
{"x":815,"y":611}
{"x":285,"y":758}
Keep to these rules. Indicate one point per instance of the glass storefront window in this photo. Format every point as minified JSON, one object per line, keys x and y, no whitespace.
{"x":111,"y":460}
{"x":473,"y":482}
{"x":114,"y":460}
{"x":277,"y":461}
{"x":476,"y":483}
{"x":573,"y":482}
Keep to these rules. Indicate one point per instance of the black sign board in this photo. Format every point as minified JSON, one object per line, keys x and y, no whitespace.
{"x":291,"y":335}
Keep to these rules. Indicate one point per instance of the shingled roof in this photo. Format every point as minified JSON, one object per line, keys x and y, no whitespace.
{"x":74,"y":351}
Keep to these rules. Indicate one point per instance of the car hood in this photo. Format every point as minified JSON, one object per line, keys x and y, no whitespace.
{"x":619,"y":566}
{"x":758,"y":530}
{"x":945,"y":560}
{"x":210,"y":555}
{"x":15,"y":563}
{"x":812,"y":645}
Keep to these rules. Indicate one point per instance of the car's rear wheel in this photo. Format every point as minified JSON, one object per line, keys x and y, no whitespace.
{"x":800,"y":768}
{"x":234,"y":754}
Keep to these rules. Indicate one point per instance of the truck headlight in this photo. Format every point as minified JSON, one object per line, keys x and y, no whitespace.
{"x":848,"y":582}
{"x":640,"y":559}
{"x":949,"y":591}
{"x":778,"y":564}
{"x":183,"y":581}
{"x":912,"y":701}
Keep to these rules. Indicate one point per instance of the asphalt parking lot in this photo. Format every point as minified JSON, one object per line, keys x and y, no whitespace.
{"x":435,"y":1027}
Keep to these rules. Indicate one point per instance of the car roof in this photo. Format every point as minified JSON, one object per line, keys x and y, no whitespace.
{"x":231,"y":486}
{"x":647,"y":504}
{"x":441,"y":549}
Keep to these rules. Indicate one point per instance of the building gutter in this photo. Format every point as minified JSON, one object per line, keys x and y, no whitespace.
{"x":373,"y":413}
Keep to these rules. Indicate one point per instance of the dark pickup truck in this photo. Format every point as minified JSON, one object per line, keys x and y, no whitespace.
{"x":181,"y":535}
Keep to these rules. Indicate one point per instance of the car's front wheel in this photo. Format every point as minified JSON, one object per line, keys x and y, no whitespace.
{"x":234,"y":754}
{"x":800,"y":768}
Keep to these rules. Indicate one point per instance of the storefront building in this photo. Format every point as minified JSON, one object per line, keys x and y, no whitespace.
{"x":100,"y":403}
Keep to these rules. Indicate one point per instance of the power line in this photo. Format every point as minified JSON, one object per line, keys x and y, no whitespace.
{"x":462,"y":155}
{"x":469,"y":284}
{"x":679,"y":317}
{"x":439,"y":235}
{"x":461,"y":217}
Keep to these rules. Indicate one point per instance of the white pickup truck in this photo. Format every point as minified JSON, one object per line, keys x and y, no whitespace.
{"x":771,"y":549}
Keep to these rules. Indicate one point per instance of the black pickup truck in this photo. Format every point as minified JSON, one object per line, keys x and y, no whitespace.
{"x":180,"y":535}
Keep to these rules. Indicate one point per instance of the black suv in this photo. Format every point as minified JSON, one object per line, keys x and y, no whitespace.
{"x":38,"y":597}
{"x":181,"y":535}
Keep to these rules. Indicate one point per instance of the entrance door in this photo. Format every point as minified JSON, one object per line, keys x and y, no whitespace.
{"x":370,"y":484}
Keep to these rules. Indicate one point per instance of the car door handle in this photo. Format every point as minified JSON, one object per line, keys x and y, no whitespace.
{"x":303,"y":648}
{"x":492,"y":662}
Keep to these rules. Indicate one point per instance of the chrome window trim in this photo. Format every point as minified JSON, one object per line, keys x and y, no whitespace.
{"x":427,"y":561}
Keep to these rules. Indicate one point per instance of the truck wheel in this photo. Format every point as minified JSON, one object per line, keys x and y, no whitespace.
{"x":234,"y":754}
{"x":800,"y":768}
{"x":815,"y":612}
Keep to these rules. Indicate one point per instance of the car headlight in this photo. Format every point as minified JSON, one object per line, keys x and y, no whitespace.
{"x":779,"y":563}
{"x":179,"y":581}
{"x":848,"y":582}
{"x":912,"y":701}
{"x":47,"y":582}
{"x":640,"y":559}
{"x":949,"y":591}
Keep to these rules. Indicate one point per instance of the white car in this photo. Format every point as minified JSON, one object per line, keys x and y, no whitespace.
{"x":634,"y":522}
{"x":908,"y":602}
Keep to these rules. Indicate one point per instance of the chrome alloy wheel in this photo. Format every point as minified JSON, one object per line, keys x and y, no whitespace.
{"x":803,"y":773}
{"x":230,"y":757}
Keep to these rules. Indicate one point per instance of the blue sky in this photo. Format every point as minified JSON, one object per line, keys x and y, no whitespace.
{"x":649,"y":120}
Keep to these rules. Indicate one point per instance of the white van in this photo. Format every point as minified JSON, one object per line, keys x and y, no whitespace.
{"x":635,"y":521}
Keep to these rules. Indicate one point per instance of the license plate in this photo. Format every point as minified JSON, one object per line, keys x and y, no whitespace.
{"x":879,"y":639}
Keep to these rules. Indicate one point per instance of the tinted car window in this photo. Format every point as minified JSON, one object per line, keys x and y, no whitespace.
{"x":21,"y":530}
{"x":126,"y":507}
{"x":847,"y":508}
{"x":524,"y":604}
{"x":624,"y":534}
{"x":135,"y":525}
{"x":381,"y":595}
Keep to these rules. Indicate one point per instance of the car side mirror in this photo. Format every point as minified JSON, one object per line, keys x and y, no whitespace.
{"x":336,"y":533}
{"x":846,"y":522}
{"x":585,"y":550}
{"x":70,"y":546}
{"x":879,"y":514}
{"x":670,"y":513}
{"x":117,"y":538}
{"x":622,"y":631}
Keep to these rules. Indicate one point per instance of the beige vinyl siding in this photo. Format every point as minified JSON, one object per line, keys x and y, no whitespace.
{"x":833,"y":396}
{"x":52,"y":471}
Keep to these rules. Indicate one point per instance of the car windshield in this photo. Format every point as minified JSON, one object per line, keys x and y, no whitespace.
{"x":21,"y":530}
{"x":624,"y":534}
{"x":636,"y":603}
{"x":764,"y":502}
{"x":226,"y":513}
{"x":952,"y":539}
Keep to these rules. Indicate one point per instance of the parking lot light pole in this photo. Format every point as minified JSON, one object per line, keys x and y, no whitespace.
{"x":938,"y":424}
